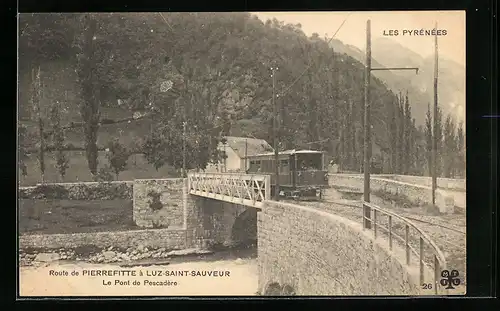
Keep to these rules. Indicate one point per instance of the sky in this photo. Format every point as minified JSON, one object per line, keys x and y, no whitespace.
{"x":353,"y":32}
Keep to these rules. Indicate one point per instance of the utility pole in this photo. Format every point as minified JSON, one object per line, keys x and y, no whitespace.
{"x":184,"y":149}
{"x":367,"y":138}
{"x":367,"y":121}
{"x":225,"y":158}
{"x":275,"y":136}
{"x":246,"y":154}
{"x":434,"y":138}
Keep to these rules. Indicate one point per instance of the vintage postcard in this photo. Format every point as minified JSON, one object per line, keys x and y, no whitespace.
{"x":242,"y":154}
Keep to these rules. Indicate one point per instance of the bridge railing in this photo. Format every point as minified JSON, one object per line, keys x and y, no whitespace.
{"x":245,"y":189}
{"x":397,"y":228}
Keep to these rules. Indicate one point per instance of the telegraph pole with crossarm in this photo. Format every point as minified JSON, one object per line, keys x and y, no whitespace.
{"x":275,"y":137}
{"x":367,"y":123}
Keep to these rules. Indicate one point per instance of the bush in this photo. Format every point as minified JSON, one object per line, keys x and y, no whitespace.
{"x":155,"y":203}
{"x":107,"y":121}
{"x":49,"y":192}
{"x":104,"y":174}
{"x":80,"y":191}
{"x":399,"y":199}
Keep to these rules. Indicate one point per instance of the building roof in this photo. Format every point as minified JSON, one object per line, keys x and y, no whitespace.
{"x":293,"y":151}
{"x":253,"y":146}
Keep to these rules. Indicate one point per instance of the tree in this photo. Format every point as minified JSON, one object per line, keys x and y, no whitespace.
{"x":23,"y":144}
{"x":45,"y":37}
{"x":393,"y":137}
{"x":36,"y":95}
{"x":450,"y":148}
{"x":439,"y":143}
{"x":421,"y":151}
{"x":460,"y":155}
{"x":88,"y":77}
{"x":400,"y":142}
{"x":117,"y":156}
{"x":62,"y":162}
{"x":413,"y":148}
{"x":155,"y":150}
{"x":407,"y":134}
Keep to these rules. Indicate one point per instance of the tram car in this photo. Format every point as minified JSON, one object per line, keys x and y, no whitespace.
{"x":302,"y":173}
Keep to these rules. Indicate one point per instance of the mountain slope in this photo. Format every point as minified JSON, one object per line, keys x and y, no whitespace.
{"x":451,"y":87}
{"x":388,"y":53}
{"x":219,"y":64}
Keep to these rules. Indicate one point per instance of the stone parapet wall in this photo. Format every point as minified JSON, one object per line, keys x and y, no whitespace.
{"x":160,"y":203}
{"x":443,"y":183}
{"x":313,"y":252}
{"x":417,"y":194}
{"x":164,"y":205}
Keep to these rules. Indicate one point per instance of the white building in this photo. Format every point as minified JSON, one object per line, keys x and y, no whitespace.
{"x":237,"y":149}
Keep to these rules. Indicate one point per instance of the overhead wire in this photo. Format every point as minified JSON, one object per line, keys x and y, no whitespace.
{"x":310,"y":65}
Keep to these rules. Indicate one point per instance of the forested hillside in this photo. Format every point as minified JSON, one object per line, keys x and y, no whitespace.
{"x":219,"y":68}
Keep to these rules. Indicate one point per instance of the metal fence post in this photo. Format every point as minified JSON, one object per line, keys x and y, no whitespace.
{"x":375,"y":223}
{"x":268,"y":187}
{"x":421,"y":260}
{"x":407,"y":245}
{"x":436,"y":274}
{"x":366,"y":216}
{"x":390,"y":232}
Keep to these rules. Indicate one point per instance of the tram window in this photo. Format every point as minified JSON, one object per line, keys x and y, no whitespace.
{"x":255,"y":165}
{"x":284,"y":166}
{"x":258,"y":166}
{"x":310,"y":162}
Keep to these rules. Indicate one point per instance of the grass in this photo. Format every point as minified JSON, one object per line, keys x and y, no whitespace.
{"x":137,"y":168}
{"x":129,"y":134}
{"x":72,"y":216}
{"x":399,"y":199}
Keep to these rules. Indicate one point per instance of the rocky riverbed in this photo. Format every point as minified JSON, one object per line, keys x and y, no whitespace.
{"x":110,"y":255}
{"x":62,"y":272}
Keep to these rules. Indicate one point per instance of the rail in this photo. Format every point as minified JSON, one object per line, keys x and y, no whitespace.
{"x":437,"y":258}
{"x":245,"y":189}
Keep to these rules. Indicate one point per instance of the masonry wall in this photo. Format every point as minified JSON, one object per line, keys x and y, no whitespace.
{"x":311,"y":252}
{"x":152,"y":238}
{"x":228,"y":224}
{"x":160,"y":203}
{"x":444,"y":183}
{"x":417,"y":194}
{"x":181,"y":221}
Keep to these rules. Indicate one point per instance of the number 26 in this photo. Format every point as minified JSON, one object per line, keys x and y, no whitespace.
{"x":427,"y":286}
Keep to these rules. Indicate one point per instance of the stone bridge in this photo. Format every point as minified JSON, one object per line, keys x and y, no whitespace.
{"x":301,"y":250}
